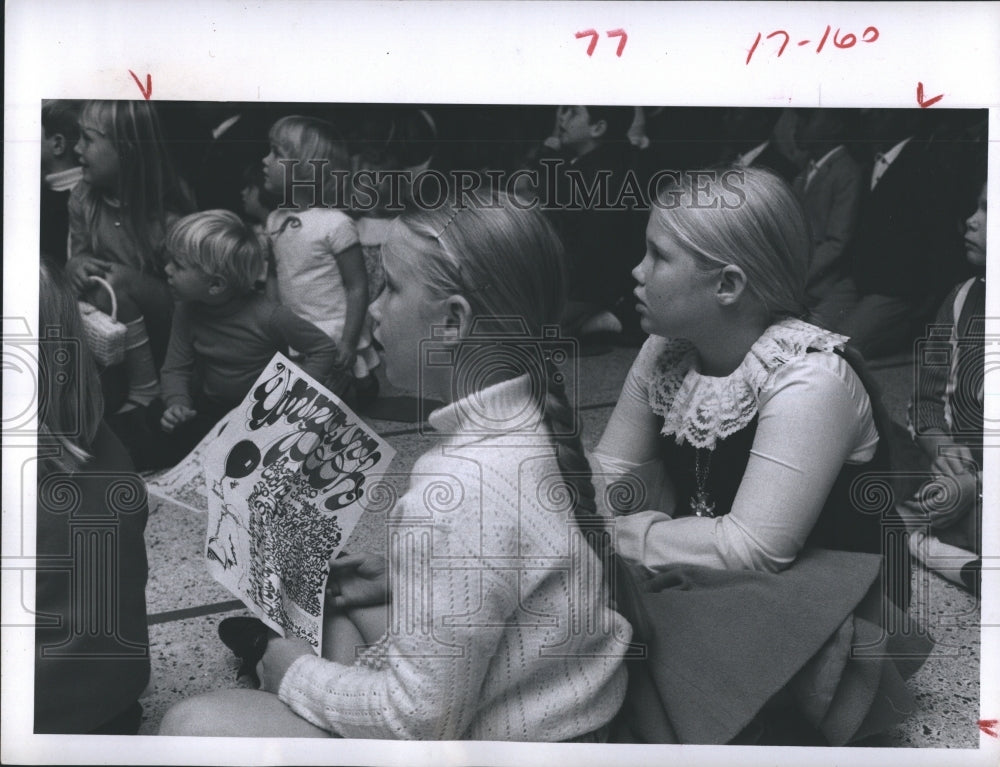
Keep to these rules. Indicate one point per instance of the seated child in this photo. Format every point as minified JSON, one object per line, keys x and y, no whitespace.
{"x":319,"y":267}
{"x":830,"y":189}
{"x":61,"y":172}
{"x":119,"y":214}
{"x":946,"y":420}
{"x":223,"y":333}
{"x":471,"y":659}
{"x":92,"y":664}
{"x":257,"y":205}
{"x":601,"y":236}
{"x":748,"y":134}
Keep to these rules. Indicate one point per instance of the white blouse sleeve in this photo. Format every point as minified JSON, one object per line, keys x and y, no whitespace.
{"x":630,"y":445}
{"x":813,"y":416}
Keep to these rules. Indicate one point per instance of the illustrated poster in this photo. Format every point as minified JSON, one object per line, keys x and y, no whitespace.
{"x":287,"y":474}
{"x":184,"y":484}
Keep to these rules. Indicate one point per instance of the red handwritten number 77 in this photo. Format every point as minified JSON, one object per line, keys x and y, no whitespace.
{"x":594,"y":35}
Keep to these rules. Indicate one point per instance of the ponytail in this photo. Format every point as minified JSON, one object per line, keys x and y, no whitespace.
{"x":619,"y":580}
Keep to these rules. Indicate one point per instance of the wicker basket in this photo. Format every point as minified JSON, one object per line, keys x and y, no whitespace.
{"x":105,"y":334}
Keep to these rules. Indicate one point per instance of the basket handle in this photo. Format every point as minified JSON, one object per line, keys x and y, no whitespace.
{"x":111,"y":292}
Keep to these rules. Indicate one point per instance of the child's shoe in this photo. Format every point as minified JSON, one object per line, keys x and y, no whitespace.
{"x":247,"y":638}
{"x":366,"y":391}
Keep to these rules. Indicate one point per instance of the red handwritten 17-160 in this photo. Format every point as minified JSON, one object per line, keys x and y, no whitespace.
{"x":870,"y":35}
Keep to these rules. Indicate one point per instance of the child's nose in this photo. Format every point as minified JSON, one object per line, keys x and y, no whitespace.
{"x":637,"y":272}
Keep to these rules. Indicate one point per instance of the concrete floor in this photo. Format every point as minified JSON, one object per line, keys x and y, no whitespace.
{"x":185,"y":604}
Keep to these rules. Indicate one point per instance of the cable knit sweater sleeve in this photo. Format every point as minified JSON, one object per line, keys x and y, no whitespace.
{"x":424,"y":679}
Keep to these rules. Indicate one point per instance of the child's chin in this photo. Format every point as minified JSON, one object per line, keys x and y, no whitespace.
{"x":976,"y":259}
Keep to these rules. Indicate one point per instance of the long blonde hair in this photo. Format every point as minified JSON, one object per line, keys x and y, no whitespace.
{"x":312,"y":140}
{"x":748,"y":217}
{"x":508,"y":263}
{"x":148,"y":188}
{"x":70,"y":403}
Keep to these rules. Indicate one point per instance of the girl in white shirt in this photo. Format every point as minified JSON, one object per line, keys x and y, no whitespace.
{"x":492,"y":618}
{"x":757,"y":466}
{"x":320,"y":269}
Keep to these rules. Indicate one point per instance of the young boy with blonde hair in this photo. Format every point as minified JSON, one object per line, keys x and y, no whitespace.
{"x":223,"y":333}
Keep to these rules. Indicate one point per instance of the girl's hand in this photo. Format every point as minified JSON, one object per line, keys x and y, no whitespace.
{"x":281,"y":653}
{"x":174,"y":416}
{"x":357,"y":581}
{"x":946,"y":456}
{"x":956,"y":508}
{"x":956,"y":460}
{"x":80,"y":269}
{"x":346,"y":354}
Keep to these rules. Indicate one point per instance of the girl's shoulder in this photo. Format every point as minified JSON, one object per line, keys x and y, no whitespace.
{"x":312,"y":222}
{"x":327,"y":216}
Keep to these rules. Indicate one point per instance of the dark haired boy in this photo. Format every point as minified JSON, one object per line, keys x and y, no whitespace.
{"x":597,"y":205}
{"x":61,"y":172}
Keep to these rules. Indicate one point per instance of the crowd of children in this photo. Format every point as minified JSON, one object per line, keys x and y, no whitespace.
{"x":229,"y":234}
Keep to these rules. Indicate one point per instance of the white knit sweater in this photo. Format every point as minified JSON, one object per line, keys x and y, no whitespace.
{"x":495,"y":630}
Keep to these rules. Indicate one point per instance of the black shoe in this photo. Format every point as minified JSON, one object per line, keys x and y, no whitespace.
{"x":247,"y":638}
{"x":366,"y":391}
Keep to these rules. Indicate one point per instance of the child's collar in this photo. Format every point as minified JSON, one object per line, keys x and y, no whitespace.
{"x":505,"y":408}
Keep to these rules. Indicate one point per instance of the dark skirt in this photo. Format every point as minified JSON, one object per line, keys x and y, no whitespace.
{"x":725,"y":648}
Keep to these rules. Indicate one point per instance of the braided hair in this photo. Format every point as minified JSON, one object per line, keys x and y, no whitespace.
{"x":508,"y":263}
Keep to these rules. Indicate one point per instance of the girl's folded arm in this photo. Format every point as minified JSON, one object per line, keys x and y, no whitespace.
{"x":630,"y":444}
{"x":809,"y":423}
{"x":428,"y":683}
{"x":434,"y":656}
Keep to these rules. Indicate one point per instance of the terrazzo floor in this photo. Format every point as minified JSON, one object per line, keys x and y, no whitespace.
{"x":185,"y":604}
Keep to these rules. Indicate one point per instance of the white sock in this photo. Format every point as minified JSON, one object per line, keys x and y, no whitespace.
{"x":143,"y":384}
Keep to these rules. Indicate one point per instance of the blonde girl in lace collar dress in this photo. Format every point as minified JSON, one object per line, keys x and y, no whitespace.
{"x":746,"y":431}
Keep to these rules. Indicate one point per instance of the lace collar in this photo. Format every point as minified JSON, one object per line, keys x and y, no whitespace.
{"x":703,"y":409}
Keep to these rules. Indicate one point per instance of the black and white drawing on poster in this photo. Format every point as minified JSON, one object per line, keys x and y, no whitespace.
{"x":184,"y":485}
{"x":286,"y":477}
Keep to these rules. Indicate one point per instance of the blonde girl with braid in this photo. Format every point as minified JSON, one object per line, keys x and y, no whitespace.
{"x":500,"y":612}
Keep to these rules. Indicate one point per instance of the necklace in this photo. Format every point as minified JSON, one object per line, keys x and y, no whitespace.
{"x":702,"y":504}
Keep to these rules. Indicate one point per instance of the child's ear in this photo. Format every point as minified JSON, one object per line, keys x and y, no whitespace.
{"x":217,"y":285}
{"x":59,"y":145}
{"x":598,"y":129}
{"x":732,"y":282}
{"x":458,"y":315}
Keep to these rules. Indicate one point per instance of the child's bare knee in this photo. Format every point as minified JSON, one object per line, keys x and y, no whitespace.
{"x":189,"y":717}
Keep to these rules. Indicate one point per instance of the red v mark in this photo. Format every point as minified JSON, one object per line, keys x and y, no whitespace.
{"x":148,"y":90}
